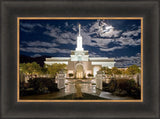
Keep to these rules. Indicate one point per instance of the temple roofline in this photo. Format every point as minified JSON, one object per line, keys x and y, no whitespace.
{"x":100,"y":58}
{"x":58,"y":59}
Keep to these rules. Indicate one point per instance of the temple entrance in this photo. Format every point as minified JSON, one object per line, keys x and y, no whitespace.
{"x":79,"y":71}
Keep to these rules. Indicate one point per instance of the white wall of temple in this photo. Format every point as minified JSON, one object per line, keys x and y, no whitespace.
{"x":95,"y":69}
{"x":79,"y":58}
{"x":58,"y":58}
{"x":104,"y":64}
{"x":99,"y":58}
{"x":70,"y":71}
{"x":54,"y":62}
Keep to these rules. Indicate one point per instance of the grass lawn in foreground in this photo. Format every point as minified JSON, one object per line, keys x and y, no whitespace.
{"x":85,"y":97}
{"x":67,"y":97}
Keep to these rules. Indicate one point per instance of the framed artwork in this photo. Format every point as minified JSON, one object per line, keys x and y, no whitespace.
{"x":80,"y":59}
{"x":80,"y":75}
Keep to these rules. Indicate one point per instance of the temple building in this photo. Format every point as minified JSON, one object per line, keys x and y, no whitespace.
{"x":79,"y":63}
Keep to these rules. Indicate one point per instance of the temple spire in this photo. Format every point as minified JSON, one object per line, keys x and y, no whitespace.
{"x":79,"y":40}
{"x":79,"y":29}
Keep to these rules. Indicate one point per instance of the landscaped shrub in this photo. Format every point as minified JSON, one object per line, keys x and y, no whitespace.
{"x":111,"y":86}
{"x":122,"y":83}
{"x":133,"y":89}
{"x":39,"y":86}
{"x":123,"y":87}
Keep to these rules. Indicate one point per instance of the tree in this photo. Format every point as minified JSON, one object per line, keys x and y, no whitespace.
{"x":106,"y":70}
{"x":132,"y":70}
{"x":36,"y":68}
{"x":123,"y":71}
{"x":115,"y":70}
{"x":30,"y":68}
{"x":55,"y":68}
{"x":103,"y":69}
{"x":44,"y":70}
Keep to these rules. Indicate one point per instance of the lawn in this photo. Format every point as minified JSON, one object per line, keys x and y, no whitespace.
{"x":85,"y":97}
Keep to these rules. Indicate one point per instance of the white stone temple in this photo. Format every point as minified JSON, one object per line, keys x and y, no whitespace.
{"x":79,"y":63}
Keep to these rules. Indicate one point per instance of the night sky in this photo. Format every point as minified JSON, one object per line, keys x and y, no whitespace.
{"x":119,"y":39}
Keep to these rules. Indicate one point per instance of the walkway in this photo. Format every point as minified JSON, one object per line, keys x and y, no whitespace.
{"x":87,"y":86}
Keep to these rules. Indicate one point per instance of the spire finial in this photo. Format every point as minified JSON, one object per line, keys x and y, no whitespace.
{"x":79,"y":29}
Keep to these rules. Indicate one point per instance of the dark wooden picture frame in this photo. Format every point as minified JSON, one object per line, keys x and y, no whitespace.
{"x":11,"y":9}
{"x":78,"y":18}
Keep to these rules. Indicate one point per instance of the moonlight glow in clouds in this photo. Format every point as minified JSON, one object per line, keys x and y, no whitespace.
{"x":103,"y":38}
